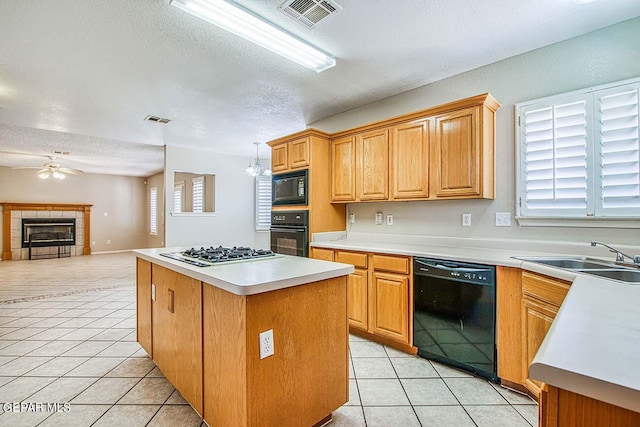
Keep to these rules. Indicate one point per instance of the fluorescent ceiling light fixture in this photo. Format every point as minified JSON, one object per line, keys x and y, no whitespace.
{"x":239,"y":21}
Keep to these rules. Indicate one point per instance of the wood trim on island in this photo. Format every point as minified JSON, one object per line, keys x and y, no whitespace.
{"x":8,"y":207}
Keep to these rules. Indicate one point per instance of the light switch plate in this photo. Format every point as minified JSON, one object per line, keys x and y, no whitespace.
{"x":390,"y":219}
{"x":503,"y":219}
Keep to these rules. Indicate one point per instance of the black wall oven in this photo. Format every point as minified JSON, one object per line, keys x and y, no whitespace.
{"x":454,"y":316}
{"x":289,"y":232}
{"x":289,"y":188}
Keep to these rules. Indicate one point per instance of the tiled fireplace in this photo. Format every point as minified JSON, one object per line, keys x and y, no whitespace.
{"x":53,"y":221}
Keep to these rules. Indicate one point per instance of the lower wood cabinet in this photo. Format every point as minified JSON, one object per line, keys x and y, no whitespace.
{"x":379,"y":295}
{"x":390,"y":306}
{"x":143,"y":305}
{"x":541,"y":300}
{"x":177,"y":332}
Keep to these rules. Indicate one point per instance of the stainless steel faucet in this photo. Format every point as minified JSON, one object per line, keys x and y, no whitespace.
{"x":619,"y":255}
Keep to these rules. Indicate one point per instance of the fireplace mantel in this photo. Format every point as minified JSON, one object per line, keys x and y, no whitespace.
{"x":8,"y":207}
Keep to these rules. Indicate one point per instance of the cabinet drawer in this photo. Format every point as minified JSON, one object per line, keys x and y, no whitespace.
{"x":321,"y":253}
{"x":395,"y":264}
{"x":357,"y":259}
{"x":544,"y":288}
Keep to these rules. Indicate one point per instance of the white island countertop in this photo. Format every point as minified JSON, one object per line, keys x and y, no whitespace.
{"x":593,"y":346}
{"x":249,"y":277}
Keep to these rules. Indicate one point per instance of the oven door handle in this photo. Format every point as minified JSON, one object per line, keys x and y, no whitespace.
{"x":289,"y":230}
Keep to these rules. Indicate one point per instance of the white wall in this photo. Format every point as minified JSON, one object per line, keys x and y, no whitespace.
{"x":234,"y":220}
{"x":599,"y":57}
{"x":122,"y":198}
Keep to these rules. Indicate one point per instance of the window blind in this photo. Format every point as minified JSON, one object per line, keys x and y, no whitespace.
{"x":555,"y":158}
{"x":619,"y":152}
{"x":198,"y":194}
{"x":153,"y":210}
{"x":178,"y":197}
{"x":263,"y":203}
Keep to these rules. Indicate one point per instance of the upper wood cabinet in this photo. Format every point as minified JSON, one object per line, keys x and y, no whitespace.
{"x":409,"y":160}
{"x":372,"y":165}
{"x":290,"y":155}
{"x":456,"y":153}
{"x":445,"y":152}
{"x":343,"y":170}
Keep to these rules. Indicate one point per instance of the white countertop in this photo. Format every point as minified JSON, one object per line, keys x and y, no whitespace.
{"x":593,"y":347}
{"x":249,"y":277}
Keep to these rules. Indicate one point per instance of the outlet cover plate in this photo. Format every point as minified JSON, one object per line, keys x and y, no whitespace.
{"x":466,"y":220}
{"x":266,"y":344}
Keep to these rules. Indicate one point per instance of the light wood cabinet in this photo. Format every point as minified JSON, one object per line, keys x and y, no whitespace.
{"x":390,"y":306}
{"x":409,"y":160}
{"x":372,"y":165}
{"x":290,"y":155}
{"x":343,"y":170}
{"x":323,"y":254}
{"x":177,"y":332}
{"x":357,"y":300}
{"x":541,"y":300}
{"x":143,"y":305}
{"x":445,"y":152}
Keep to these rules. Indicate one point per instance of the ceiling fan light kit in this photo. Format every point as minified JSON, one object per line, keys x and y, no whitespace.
{"x":241,"y":22}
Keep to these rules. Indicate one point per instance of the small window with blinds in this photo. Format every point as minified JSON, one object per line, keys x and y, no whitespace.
{"x":579,"y":154}
{"x":178,"y":197}
{"x":153,"y":210}
{"x":263,"y":202}
{"x":198,"y":194}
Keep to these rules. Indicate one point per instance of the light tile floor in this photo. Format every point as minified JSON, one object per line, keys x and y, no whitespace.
{"x":69,"y":335}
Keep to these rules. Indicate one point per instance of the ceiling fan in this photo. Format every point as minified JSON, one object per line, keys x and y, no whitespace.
{"x":51,"y":169}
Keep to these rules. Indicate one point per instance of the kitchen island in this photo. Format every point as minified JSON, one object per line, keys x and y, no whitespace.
{"x":201,"y":326}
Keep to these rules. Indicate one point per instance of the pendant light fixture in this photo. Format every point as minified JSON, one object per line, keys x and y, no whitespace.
{"x":255,"y":167}
{"x":237,"y":20}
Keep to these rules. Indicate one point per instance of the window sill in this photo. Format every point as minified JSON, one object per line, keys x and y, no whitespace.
{"x":190,"y":214}
{"x":578,"y":222}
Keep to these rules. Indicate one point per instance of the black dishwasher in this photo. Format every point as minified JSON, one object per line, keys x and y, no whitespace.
{"x":454,"y":314}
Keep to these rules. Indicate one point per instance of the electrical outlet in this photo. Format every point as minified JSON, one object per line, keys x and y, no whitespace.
{"x":389,"y":219}
{"x":266,"y":344}
{"x":503,"y":219}
{"x":106,"y":214}
{"x":378,"y":218}
{"x":352,"y":218}
{"x":108,"y":242}
{"x":466,"y":220}
{"x":153,"y":292}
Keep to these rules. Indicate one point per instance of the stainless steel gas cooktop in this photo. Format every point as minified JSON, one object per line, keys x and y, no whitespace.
{"x":205,"y":257}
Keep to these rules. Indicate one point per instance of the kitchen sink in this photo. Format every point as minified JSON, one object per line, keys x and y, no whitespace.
{"x":571,"y":263}
{"x":594,"y":267}
{"x":622,"y":274}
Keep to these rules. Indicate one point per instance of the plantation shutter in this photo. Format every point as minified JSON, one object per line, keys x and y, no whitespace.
{"x":554,"y":158}
{"x":178,"y":197}
{"x":263,"y":202}
{"x":198,"y":194}
{"x":618,"y":151}
{"x":153,"y":210}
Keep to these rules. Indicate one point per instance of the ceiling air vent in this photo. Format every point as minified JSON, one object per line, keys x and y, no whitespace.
{"x":309,"y":12}
{"x":157,"y":119}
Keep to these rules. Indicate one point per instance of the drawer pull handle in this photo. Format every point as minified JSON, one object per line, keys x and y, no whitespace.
{"x":170,"y":307}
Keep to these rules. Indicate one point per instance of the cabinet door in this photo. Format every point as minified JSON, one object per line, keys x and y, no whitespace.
{"x":177,"y":332}
{"x":299,"y":153}
{"x":457,"y":153}
{"x":279,"y":158}
{"x":390,"y":306}
{"x":357,"y":299}
{"x":537,"y":319}
{"x":143,"y":305}
{"x":372,"y":165}
{"x":323,"y":254}
{"x":409,"y":165}
{"x":343,"y":170}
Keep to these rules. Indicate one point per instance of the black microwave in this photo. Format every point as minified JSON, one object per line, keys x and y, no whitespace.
{"x":289,"y":188}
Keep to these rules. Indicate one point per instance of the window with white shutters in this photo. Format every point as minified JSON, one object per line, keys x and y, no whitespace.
{"x":198,"y":194}
{"x":579,"y":154}
{"x":178,"y":197}
{"x":263,"y":202}
{"x":153,"y":210}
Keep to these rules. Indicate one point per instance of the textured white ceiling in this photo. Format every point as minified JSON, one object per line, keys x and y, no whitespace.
{"x":81,"y":75}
